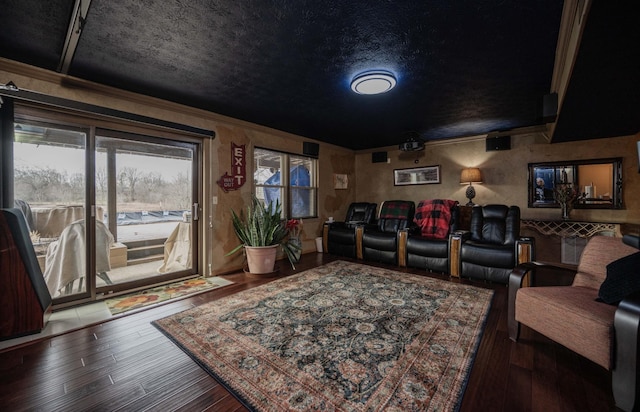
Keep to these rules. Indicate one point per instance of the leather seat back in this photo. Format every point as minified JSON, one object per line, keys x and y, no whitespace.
{"x":396,"y":215}
{"x":495,"y":224}
{"x":361,"y":212}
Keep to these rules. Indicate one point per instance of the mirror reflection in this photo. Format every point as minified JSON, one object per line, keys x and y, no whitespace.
{"x":597,"y":183}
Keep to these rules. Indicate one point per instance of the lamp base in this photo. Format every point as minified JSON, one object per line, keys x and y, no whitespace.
{"x":470,"y":193}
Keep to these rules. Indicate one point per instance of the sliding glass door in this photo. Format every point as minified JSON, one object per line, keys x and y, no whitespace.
{"x":108,"y":211}
{"x":146,"y":189}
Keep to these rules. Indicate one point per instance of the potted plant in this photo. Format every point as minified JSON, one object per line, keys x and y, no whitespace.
{"x":261,"y":231}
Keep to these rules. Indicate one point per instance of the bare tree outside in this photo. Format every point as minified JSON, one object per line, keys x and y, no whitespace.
{"x":47,"y":186}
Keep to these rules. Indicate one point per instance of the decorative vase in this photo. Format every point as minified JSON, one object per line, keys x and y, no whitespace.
{"x":565,"y":211}
{"x":261,"y":259}
{"x":298,"y":252}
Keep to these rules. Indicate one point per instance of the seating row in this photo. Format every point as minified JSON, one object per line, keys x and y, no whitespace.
{"x":428,"y":237}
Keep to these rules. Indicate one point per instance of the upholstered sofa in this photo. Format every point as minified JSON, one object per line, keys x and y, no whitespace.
{"x":577,"y":317}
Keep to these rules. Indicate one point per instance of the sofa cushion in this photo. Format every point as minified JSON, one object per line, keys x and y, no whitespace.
{"x":571,"y":317}
{"x":599,"y":252}
{"x":488,"y":255}
{"x":622,"y":279}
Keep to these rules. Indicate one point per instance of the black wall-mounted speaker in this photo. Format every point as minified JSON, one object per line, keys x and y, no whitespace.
{"x":549,"y":107}
{"x":379,"y":157}
{"x":310,"y":149}
{"x":498,"y":143}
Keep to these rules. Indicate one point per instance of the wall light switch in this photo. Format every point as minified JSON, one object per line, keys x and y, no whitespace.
{"x":214,"y":200}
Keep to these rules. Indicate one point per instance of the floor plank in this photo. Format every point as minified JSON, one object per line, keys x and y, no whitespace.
{"x":127,"y":364}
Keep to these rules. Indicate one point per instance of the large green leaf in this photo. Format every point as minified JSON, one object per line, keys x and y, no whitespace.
{"x":262,"y":225}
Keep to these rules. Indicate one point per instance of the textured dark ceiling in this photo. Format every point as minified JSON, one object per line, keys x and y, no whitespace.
{"x":463,"y":68}
{"x":603,"y":97}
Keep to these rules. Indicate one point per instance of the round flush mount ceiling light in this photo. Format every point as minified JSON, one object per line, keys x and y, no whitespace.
{"x":373,"y":82}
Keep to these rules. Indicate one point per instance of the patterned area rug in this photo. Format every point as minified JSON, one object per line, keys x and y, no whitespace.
{"x":161,"y":293}
{"x":342,"y":336}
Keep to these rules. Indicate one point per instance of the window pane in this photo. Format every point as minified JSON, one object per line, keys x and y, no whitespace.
{"x":268,"y":176}
{"x":302,"y":202}
{"x":50,"y":187}
{"x":302,"y":175}
{"x":289,"y":179}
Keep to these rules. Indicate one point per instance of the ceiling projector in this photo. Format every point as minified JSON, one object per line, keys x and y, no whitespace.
{"x":411,"y":145}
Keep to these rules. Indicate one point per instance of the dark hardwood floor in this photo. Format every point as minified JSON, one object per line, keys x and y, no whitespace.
{"x":127,"y":365}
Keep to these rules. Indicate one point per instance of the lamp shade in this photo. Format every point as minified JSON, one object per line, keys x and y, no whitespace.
{"x":471,"y":175}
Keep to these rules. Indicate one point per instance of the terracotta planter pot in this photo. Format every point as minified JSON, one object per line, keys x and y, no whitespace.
{"x":261,"y":259}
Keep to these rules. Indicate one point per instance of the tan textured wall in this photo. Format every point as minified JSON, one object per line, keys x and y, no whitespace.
{"x":331,"y":202}
{"x":505,"y":173}
{"x":218,"y":237}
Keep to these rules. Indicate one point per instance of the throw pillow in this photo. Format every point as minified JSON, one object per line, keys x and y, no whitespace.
{"x":623,"y":278}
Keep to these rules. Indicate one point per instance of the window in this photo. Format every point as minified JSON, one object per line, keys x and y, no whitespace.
{"x":288,"y":178}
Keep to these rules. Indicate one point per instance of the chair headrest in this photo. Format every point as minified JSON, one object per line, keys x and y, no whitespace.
{"x":398,"y":209}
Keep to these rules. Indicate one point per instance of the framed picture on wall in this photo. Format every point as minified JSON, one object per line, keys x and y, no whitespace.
{"x":416,"y":176}
{"x":340,"y":181}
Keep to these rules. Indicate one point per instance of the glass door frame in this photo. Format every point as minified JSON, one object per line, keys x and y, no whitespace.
{"x":89,"y":125}
{"x":196,"y":148}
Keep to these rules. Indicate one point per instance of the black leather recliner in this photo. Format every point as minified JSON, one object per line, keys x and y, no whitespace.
{"x":341,"y":236}
{"x":431,"y":252}
{"x":380,"y":242}
{"x":493,"y":247}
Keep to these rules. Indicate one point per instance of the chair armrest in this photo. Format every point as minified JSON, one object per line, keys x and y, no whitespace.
{"x":525,"y":249}
{"x":529,"y":268}
{"x":463,"y":235}
{"x":523,"y":275}
{"x":456,"y":239}
{"x":625,"y":363}
{"x":403,"y":235}
{"x":334,"y":224}
{"x":516,"y":281}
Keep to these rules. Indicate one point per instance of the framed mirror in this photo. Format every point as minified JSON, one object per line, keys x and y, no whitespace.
{"x":597,"y":183}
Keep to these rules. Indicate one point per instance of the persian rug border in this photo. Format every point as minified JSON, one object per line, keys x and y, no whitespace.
{"x":206,"y":367}
{"x":428,"y":369}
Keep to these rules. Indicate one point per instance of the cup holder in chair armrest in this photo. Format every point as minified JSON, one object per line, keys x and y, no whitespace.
{"x":461,"y":234}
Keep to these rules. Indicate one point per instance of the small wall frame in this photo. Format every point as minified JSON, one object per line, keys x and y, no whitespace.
{"x":417,"y":176}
